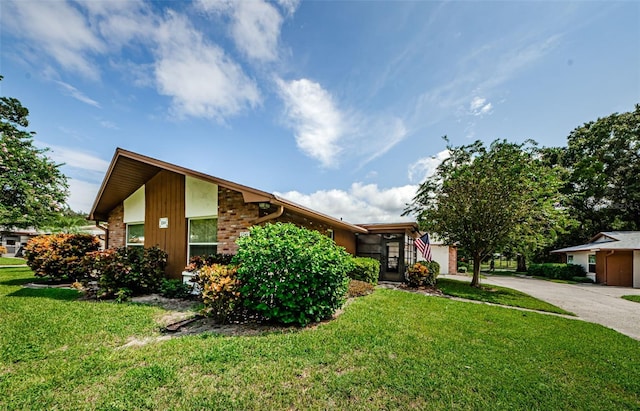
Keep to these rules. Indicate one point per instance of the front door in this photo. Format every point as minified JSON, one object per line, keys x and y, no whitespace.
{"x":392,"y":266}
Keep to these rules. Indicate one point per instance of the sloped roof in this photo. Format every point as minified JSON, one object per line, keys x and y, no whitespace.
{"x":608,"y":240}
{"x":128,"y":171}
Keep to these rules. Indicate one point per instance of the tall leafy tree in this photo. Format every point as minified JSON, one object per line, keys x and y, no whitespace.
{"x":603,"y":158}
{"x":32,"y":187}
{"x":487,"y":198}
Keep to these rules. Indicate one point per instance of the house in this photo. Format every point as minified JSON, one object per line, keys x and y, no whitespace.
{"x":611,"y":258}
{"x":393,"y":245}
{"x":15,"y":239}
{"x":150,"y":202}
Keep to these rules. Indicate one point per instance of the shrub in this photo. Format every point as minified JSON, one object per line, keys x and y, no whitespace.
{"x":359,"y":288}
{"x":60,"y":255}
{"x":433,"y":266}
{"x":292,"y":275}
{"x":420,"y":275}
{"x":141,"y":270}
{"x":462,"y":269}
{"x":220,"y":290}
{"x":365,"y":269}
{"x":175,"y":289}
{"x":3,"y":250}
{"x":197,"y":262}
{"x":557,"y":271}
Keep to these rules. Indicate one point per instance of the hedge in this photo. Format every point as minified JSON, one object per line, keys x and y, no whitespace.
{"x":365,"y":269}
{"x":557,"y":271}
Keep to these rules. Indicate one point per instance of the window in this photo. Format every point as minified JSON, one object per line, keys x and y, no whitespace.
{"x":570,"y":259}
{"x":203,"y":236}
{"x":330,"y":234}
{"x":592,"y":263}
{"x":135,"y":234}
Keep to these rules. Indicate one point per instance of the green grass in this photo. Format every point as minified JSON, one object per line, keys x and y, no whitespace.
{"x":496,"y":295}
{"x":634,"y":298}
{"x":389,"y":350}
{"x":11,"y":261}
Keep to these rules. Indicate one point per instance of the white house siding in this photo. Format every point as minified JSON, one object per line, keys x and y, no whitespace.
{"x":440,"y":253}
{"x":582,"y":258}
{"x":636,"y":269}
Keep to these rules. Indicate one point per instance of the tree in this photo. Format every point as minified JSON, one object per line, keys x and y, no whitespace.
{"x":484,"y":199}
{"x":66,"y":221}
{"x":32,"y":187}
{"x":603,"y":158}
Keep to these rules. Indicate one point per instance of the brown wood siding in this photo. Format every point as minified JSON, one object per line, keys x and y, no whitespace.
{"x":164,"y":197}
{"x":600,"y":267}
{"x":345,"y":239}
{"x":620,"y":268}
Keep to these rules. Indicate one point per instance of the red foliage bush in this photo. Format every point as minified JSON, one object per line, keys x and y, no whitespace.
{"x":60,"y":256}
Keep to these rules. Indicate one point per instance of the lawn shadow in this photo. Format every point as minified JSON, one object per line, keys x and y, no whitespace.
{"x":17,"y":281}
{"x":63,"y":294}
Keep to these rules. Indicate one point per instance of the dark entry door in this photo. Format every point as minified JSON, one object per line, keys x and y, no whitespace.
{"x":392,"y":266}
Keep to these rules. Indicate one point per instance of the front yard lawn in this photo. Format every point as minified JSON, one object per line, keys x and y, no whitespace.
{"x":496,"y":295}
{"x":12,"y":261}
{"x":389,"y":350}
{"x":634,"y":298}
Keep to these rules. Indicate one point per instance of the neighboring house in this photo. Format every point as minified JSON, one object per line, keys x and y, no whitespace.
{"x":15,"y":239}
{"x":611,"y":258}
{"x":186,"y":213}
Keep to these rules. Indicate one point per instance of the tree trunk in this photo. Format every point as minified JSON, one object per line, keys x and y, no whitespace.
{"x":475,"y":281}
{"x":522,"y":263}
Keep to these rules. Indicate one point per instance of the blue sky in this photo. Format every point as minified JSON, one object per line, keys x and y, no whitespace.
{"x":339,"y":106}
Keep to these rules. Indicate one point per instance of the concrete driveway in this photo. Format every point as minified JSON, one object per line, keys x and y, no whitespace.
{"x":590,"y":302}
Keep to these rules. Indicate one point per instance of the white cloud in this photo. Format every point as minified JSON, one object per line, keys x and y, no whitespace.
{"x":77,"y":94}
{"x":200,"y":78}
{"x":255,"y":25}
{"x":109,"y":124}
{"x":57,"y":29}
{"x":81,"y":194}
{"x":426,"y":167}
{"x":317,"y":122}
{"x":325,"y":132}
{"x":76,"y":158}
{"x":496,"y":63}
{"x":376,"y":135}
{"x":362,"y":203}
{"x":290,"y":6}
{"x":479,"y":106}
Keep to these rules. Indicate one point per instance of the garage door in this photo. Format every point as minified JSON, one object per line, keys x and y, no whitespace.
{"x":620,"y":269}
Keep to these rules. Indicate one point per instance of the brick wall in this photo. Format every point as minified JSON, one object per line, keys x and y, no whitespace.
{"x":453,"y":260}
{"x":234,"y":217}
{"x":117,"y":227}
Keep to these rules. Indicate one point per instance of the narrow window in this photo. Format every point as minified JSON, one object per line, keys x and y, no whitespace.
{"x":570,"y":259}
{"x":203,"y":236}
{"x":592,"y":263}
{"x":135,"y":234}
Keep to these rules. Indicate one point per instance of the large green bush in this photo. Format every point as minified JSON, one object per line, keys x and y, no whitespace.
{"x":557,"y":271}
{"x":137,"y":269}
{"x":60,"y":256}
{"x":292,"y":275}
{"x":365,"y":269}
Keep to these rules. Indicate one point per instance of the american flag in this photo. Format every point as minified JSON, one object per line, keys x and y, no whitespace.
{"x":424,"y":246}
